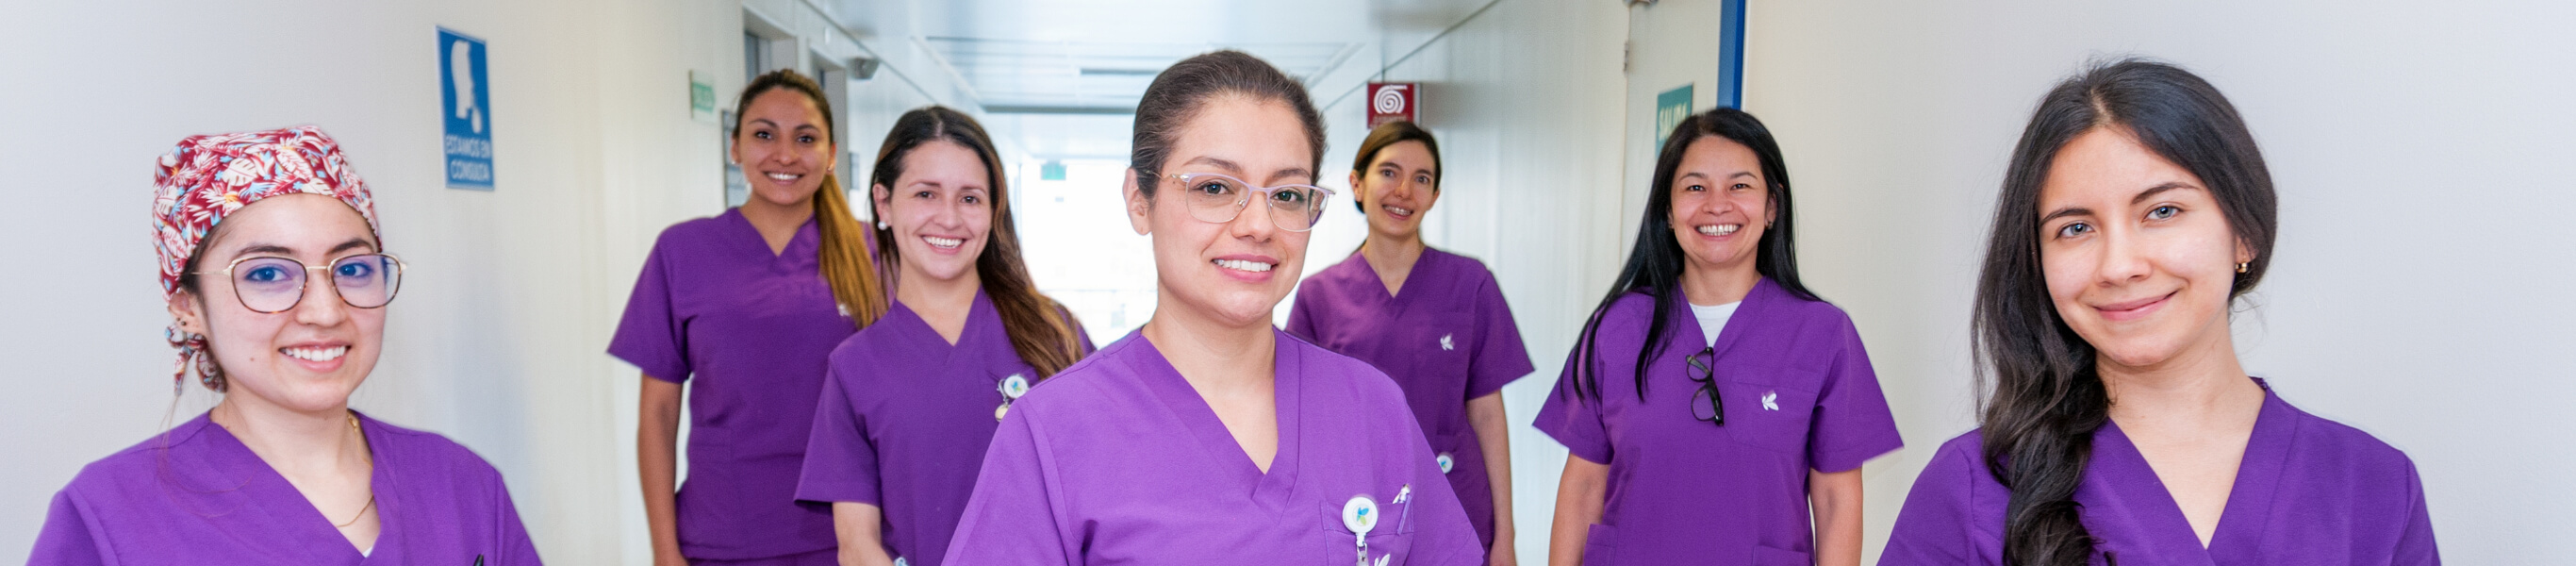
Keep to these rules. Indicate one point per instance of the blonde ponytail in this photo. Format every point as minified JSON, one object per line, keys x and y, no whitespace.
{"x":846,"y":262}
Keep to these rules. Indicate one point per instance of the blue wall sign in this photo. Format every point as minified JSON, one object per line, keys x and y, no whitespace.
{"x":465,"y":95}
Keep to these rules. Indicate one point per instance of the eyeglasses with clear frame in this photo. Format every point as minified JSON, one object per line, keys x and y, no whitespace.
{"x":272,"y":284}
{"x":1219,"y":198}
{"x":1706,"y":405}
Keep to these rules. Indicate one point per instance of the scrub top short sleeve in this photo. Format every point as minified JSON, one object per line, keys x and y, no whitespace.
{"x":648,"y":335}
{"x":840,"y":460}
{"x":1852,"y":422}
{"x":1573,"y":420}
{"x":1938,"y":524}
{"x":1500,"y":357}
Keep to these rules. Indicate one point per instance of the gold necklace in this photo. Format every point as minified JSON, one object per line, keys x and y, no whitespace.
{"x":362,"y":513}
{"x":371,"y":495}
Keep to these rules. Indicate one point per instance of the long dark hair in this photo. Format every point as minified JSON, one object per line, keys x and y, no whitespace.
{"x":843,"y":256}
{"x":1179,"y":92}
{"x":1041,"y":330}
{"x":2047,"y":399}
{"x":1655,"y":263}
{"x":1386,"y":135}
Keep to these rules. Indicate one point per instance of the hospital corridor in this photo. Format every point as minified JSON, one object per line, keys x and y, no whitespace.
{"x":1010,"y":282}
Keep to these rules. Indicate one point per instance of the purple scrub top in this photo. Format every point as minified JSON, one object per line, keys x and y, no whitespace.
{"x":1446,"y":339}
{"x":1798,"y":393}
{"x":904,"y":420}
{"x":1117,"y":460}
{"x":749,"y":330}
{"x":2308,"y":491}
{"x":196,"y":495}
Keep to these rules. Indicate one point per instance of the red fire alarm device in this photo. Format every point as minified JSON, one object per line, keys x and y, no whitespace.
{"x":1389,"y":102}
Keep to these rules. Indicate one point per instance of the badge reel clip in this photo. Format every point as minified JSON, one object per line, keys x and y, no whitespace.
{"x":1360,"y":515}
{"x":1012,"y":388}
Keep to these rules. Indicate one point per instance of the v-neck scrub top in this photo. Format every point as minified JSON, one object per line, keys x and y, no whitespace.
{"x":749,"y":330}
{"x":197,"y":495}
{"x":1117,"y":460}
{"x":2308,"y":491}
{"x":1446,"y":337}
{"x":904,"y":421}
{"x":1798,"y":394}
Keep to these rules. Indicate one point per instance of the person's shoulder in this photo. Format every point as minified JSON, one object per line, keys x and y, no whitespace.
{"x":1959,"y":465}
{"x":2341,"y":446}
{"x":1464,"y":271}
{"x":1459,"y":263}
{"x":1083,"y":381}
{"x":874,"y":345}
{"x":694,"y":231}
{"x":1320,"y":358}
{"x":1803,"y":307}
{"x":1966,"y":449}
{"x":1318,"y":362}
{"x":434,"y":454}
{"x":140,"y":464}
{"x":1332,"y":278}
{"x":1635,"y":305}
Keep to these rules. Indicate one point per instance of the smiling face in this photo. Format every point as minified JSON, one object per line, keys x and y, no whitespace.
{"x":309,"y":357}
{"x":2139,"y":259}
{"x":1233,"y":272}
{"x":1398,"y":189}
{"x":940,"y":209}
{"x":784,"y":147}
{"x":1721,"y":205}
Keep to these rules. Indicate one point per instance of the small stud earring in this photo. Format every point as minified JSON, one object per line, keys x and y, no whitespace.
{"x":2242,"y":266}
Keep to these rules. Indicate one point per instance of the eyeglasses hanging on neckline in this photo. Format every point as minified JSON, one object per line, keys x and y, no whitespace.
{"x":1706,"y":405}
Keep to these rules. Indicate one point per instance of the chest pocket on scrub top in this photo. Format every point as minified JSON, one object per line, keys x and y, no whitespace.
{"x":1771,"y":407}
{"x":1390,"y":542}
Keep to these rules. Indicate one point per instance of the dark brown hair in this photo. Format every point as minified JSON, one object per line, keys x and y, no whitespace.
{"x":844,"y":254}
{"x":1389,"y":134}
{"x":2047,"y":399}
{"x":1180,"y":91}
{"x":1041,"y":331}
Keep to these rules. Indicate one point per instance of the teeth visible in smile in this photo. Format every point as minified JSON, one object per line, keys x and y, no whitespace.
{"x":315,"y":354}
{"x":1720,"y":229}
{"x":1243,"y":265}
{"x":1400,"y":211}
{"x":785,"y":177}
{"x":943,"y":242}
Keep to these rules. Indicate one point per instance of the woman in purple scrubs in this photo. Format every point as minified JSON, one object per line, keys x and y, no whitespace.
{"x":746,"y":306}
{"x":278,"y":282}
{"x":1207,"y":436}
{"x":2121,"y":428}
{"x":1434,"y":321}
{"x":1712,"y":401}
{"x":911,"y":401}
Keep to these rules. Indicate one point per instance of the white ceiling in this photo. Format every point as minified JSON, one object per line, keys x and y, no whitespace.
{"x":1060,"y":76}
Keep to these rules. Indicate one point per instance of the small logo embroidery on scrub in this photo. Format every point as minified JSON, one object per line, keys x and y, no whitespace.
{"x":1771,"y":401}
{"x":1446,"y":344}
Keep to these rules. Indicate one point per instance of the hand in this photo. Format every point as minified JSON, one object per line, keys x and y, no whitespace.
{"x":1503,"y":554}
